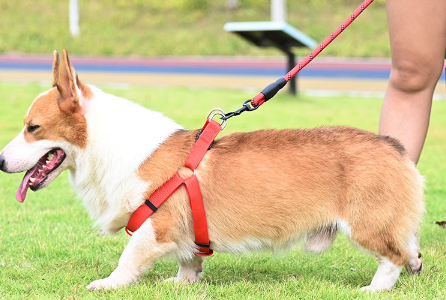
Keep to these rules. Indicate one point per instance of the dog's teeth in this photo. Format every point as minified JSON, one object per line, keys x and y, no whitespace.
{"x":32,"y":180}
{"x":50,"y":156}
{"x":44,"y":167}
{"x":47,"y":162}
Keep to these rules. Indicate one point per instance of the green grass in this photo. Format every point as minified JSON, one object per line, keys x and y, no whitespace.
{"x":49,"y":249}
{"x":160,"y":28}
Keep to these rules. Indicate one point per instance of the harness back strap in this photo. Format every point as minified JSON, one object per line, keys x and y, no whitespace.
{"x":208,"y":133}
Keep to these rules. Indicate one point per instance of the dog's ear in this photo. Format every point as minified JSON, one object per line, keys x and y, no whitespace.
{"x":65,"y":80}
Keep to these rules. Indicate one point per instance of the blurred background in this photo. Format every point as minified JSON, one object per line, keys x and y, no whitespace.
{"x":183,"y":43}
{"x":180,"y":27}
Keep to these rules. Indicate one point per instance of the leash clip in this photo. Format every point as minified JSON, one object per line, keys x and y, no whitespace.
{"x":218,"y":112}
{"x":246,"y":107}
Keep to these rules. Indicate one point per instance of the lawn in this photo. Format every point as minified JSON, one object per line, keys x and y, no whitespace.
{"x":49,"y":249}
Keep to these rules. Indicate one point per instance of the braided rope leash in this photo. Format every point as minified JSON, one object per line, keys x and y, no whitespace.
{"x":272,"y":89}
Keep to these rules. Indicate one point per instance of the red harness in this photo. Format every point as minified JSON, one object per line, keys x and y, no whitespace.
{"x":210,"y":130}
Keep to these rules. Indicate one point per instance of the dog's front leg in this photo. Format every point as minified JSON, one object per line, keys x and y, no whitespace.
{"x":190,"y":270}
{"x":139,"y":255}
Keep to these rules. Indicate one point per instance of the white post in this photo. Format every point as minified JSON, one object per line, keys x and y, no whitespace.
{"x":232,"y":4}
{"x":74,"y":18}
{"x":278,"y":10}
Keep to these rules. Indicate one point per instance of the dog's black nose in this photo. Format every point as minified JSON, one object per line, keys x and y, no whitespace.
{"x":2,"y":163}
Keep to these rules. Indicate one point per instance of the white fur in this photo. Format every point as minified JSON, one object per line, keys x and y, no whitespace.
{"x":139,"y":255}
{"x":386,"y":276}
{"x":344,"y":227}
{"x":121,"y":137}
{"x":21,"y":156}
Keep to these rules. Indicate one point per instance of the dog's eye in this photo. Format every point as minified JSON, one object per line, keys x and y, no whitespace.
{"x":32,"y":128}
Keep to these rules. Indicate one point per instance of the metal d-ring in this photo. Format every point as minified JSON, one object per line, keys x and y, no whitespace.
{"x":218,"y":112}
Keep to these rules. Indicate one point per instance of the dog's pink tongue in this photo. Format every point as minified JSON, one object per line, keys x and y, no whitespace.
{"x":23,"y":188}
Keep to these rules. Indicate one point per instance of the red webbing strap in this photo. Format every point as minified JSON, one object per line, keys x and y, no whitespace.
{"x":206,"y":138}
{"x":199,"y":217}
{"x":208,"y":134}
{"x":157,"y":198}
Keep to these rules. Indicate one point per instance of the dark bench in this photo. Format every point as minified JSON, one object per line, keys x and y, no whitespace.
{"x":280,"y":35}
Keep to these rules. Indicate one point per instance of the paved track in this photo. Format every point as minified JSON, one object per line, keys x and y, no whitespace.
{"x":323,"y":76}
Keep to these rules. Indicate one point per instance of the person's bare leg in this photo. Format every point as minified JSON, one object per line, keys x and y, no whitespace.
{"x":417,"y":31}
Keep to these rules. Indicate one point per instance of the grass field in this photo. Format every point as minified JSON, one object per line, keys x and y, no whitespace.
{"x":49,"y":249}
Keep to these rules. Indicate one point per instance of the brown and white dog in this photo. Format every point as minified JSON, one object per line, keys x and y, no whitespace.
{"x":288,"y":185}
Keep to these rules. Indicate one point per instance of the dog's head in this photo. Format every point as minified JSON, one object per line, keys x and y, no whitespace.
{"x":55,"y":128}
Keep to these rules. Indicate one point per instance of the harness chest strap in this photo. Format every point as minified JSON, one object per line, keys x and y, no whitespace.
{"x":208,"y":133}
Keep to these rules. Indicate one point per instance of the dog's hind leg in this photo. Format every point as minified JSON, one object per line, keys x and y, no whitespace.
{"x":320,"y":240}
{"x":140,"y":255}
{"x":414,"y":265}
{"x":386,"y":276}
{"x":392,"y":255}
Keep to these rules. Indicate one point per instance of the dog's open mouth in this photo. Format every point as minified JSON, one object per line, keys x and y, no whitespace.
{"x":35,"y":177}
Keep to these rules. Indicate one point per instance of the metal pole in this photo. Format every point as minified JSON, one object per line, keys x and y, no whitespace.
{"x":278,"y":10}
{"x":293,"y":81}
{"x":74,"y":18}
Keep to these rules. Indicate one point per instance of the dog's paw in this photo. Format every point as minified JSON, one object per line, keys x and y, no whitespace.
{"x":367,"y":289}
{"x":370,"y":288}
{"x":414,"y":269}
{"x":414,"y":266}
{"x":171,"y":280}
{"x":103,"y":284}
{"x":181,"y":280}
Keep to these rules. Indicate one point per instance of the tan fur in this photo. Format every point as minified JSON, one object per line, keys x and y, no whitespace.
{"x":54,"y":123}
{"x":275,"y":185}
{"x":58,"y":112}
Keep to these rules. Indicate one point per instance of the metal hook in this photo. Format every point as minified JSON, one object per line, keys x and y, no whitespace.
{"x":246,"y":107}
